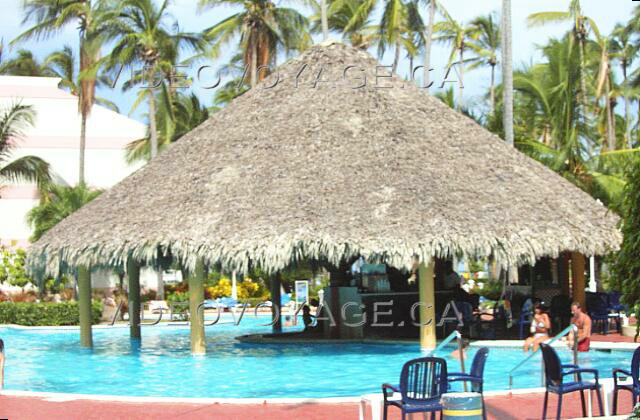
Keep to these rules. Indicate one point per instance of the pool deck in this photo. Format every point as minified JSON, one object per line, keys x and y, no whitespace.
{"x":503,"y":407}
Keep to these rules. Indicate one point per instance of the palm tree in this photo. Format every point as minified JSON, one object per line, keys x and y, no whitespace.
{"x":625,"y":51}
{"x":24,"y":64}
{"x":339,"y":15}
{"x":582,"y":26}
{"x":177,"y":114}
{"x":551,"y":128}
{"x":263,"y":28}
{"x":507,"y":72}
{"x":62,"y":64}
{"x":486,"y":49}
{"x":56,"y":203}
{"x":434,"y":5}
{"x":604,"y":89}
{"x":144,"y":36}
{"x":50,"y":17}
{"x":13,"y":122}
{"x":393,"y":28}
{"x":460,"y":37}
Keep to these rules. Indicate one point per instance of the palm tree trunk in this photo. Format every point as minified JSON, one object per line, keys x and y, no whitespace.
{"x":324,"y":19}
{"x":611,"y":139}
{"x":153,"y":131}
{"x":583,"y":80}
{"x":627,"y":109}
{"x":83,"y":145}
{"x":492,"y":88}
{"x":254,"y":60}
{"x":427,"y":45}
{"x":396,"y":58}
{"x":507,"y":73}
{"x":411,"y":68}
{"x":461,"y":82}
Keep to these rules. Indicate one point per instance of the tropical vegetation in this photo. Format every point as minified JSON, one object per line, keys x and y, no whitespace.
{"x":575,"y":109}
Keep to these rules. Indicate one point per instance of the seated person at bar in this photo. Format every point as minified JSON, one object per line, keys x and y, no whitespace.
{"x":540,"y":326}
{"x":451,"y":279}
{"x":583,"y":322}
{"x":307,"y":318}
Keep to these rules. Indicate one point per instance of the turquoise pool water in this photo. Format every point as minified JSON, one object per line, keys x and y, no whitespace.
{"x":161,"y":365}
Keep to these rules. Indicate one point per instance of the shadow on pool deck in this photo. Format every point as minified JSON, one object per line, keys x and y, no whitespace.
{"x":517,"y":407}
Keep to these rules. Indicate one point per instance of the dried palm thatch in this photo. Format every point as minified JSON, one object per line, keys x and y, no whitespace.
{"x":325,"y":170}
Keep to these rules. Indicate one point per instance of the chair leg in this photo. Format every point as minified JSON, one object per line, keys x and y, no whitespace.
{"x":559,"y":407}
{"x":433,"y":415}
{"x":599,"y":399}
{"x":484,"y":409}
{"x":544,"y":406}
{"x":584,"y":407}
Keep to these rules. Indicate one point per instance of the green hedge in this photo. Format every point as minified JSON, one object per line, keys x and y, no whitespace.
{"x":44,"y":314}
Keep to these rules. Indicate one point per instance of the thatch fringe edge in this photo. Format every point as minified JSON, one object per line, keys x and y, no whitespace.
{"x":283,"y":251}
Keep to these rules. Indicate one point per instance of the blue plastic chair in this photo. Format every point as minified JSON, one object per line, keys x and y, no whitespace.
{"x":422,"y":382}
{"x":475,"y":375}
{"x":555,"y":372}
{"x":634,"y":387}
{"x":598,"y":308}
{"x":526,"y":317}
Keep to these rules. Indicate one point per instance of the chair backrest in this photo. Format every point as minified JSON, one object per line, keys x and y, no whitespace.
{"x":635,"y":367}
{"x":423,"y":380}
{"x":477,"y":366}
{"x":552,"y":365}
{"x":527,"y":309}
{"x":614,"y":298}
{"x":597,"y":304}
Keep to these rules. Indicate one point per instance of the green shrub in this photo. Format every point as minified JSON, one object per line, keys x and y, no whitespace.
{"x":45,"y":314}
{"x":12,"y":267}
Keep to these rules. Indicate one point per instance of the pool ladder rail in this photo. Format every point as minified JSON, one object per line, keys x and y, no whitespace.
{"x":571,"y":328}
{"x":455,"y":335}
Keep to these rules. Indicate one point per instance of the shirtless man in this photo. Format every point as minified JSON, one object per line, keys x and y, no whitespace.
{"x":583,"y":322}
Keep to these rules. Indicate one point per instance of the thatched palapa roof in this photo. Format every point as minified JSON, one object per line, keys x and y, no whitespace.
{"x":317,"y":167}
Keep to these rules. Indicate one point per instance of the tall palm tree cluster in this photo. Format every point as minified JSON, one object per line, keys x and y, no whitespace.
{"x":577,"y":110}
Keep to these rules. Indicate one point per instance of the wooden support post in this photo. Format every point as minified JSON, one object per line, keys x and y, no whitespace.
{"x":578,"y":278}
{"x":84,"y":305}
{"x":276,"y":308}
{"x":427,"y":306}
{"x":133,"y":274}
{"x":563,"y":273}
{"x":196,"y":297}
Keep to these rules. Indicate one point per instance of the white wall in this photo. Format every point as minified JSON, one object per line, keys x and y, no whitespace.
{"x":55,"y":138}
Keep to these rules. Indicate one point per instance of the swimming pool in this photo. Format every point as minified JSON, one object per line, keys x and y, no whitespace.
{"x":51,"y":360}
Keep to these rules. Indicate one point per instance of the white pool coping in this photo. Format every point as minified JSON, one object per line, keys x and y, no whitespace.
{"x":66,"y":397}
{"x":597,"y":345}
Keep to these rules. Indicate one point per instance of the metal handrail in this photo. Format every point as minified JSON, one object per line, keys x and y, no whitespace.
{"x":454,"y":335}
{"x":457,"y":336}
{"x":563,"y":333}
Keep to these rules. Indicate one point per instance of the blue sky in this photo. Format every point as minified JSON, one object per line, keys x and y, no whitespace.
{"x":525,"y":40}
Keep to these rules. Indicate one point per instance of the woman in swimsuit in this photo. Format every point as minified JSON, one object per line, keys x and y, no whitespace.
{"x":540,"y":326}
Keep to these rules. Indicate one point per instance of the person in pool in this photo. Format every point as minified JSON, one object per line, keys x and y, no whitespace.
{"x":583,"y":322}
{"x":540,"y":326}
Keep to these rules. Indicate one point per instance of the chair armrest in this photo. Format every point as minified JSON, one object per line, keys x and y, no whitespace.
{"x":464,"y":378}
{"x":569,"y":366}
{"x":594,"y":372}
{"x":620,"y":372}
{"x":390,"y":387}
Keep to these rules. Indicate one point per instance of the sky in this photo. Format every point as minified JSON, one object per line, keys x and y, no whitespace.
{"x":525,"y":39}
